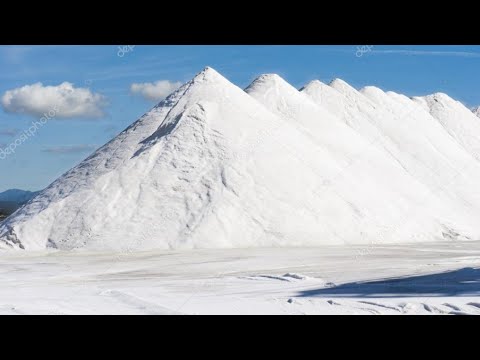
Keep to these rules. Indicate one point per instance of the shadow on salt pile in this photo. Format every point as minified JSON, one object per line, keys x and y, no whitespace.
{"x":465,"y":282}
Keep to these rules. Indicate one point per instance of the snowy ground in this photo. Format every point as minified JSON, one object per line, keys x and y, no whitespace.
{"x":405,"y":279}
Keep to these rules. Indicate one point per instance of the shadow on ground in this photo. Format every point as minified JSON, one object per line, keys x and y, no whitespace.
{"x":465,"y":282}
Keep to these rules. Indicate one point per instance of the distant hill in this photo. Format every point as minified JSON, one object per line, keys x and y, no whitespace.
{"x":8,"y":207}
{"x":12,"y":199}
{"x":17,"y":196}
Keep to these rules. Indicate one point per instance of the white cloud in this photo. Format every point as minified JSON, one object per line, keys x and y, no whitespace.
{"x":69,"y":149}
{"x":15,"y":54}
{"x":65,"y":100}
{"x":155,"y":91}
{"x":467,"y":54}
{"x":8,"y":132}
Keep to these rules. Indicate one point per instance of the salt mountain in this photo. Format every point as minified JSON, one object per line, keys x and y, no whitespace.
{"x":215,"y":166}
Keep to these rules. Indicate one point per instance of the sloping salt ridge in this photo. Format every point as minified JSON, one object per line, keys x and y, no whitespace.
{"x":394,"y":116}
{"x":458,"y":120}
{"x":455,"y":167}
{"x":476,"y":111}
{"x":381,"y":176}
{"x":387,"y":121}
{"x":315,"y":122}
{"x":431,"y":143}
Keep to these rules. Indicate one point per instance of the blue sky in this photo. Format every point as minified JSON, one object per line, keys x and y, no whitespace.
{"x":107,"y":104}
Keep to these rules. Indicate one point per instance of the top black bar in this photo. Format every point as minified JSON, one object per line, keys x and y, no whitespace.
{"x":210,"y":23}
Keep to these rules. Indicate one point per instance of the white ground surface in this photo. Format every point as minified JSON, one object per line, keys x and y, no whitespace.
{"x":433,"y":278}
